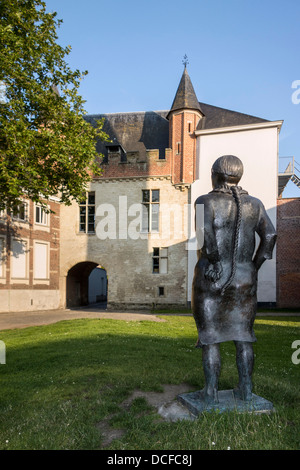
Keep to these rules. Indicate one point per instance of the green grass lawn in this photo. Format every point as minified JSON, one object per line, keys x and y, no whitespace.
{"x":60,"y":381}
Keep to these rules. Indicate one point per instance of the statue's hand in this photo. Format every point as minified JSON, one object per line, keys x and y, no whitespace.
{"x":213,"y":272}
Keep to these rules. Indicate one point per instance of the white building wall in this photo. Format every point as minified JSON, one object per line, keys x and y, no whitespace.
{"x":97,"y":285}
{"x":257,"y":147}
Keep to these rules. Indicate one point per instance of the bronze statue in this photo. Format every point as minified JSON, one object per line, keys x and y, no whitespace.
{"x":225,"y":279}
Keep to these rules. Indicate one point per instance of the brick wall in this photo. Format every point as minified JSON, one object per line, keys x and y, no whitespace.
{"x":183,"y":144}
{"x":136,"y":166}
{"x":29,"y":291}
{"x":288,"y":252}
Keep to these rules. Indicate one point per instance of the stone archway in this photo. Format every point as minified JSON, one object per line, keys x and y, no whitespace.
{"x":77,"y":286}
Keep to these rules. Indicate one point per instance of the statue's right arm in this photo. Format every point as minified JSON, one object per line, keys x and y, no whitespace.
{"x":267,"y":234}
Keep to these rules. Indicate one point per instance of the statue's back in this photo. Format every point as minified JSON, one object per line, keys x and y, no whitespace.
{"x":230,"y":225}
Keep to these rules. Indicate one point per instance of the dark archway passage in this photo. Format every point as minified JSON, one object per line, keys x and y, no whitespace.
{"x":86,"y":284}
{"x":78,"y":284}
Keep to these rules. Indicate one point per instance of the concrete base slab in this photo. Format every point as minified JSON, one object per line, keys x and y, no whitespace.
{"x":195,"y":403}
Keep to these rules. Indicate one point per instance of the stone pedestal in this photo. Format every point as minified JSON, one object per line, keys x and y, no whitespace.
{"x":227,"y":402}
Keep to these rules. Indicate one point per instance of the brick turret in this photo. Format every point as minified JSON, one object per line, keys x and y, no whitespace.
{"x":183,"y":118}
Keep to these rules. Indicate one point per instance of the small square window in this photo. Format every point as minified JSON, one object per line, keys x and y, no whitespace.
{"x":146,"y":195}
{"x":161,"y":291}
{"x":91,"y":198}
{"x":155,"y":195}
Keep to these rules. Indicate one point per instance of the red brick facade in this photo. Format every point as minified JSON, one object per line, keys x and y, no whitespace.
{"x":29,"y":230}
{"x":288,"y":253}
{"x":183,"y":145}
{"x":152,"y":165}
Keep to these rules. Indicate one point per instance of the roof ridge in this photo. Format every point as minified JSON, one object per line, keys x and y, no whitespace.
{"x":232,"y":111}
{"x":128,"y":112}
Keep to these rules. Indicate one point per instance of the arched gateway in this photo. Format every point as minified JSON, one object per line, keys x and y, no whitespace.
{"x":80,"y":284}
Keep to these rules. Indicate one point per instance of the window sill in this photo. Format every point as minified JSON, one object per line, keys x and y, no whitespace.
{"x":149,"y":232}
{"x":19,"y":281}
{"x":44,"y":282}
{"x":19,"y":223}
{"x":86,"y":233}
{"x":44,"y":228}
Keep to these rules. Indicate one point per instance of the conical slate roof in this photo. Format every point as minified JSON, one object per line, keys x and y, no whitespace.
{"x":185,"y":97}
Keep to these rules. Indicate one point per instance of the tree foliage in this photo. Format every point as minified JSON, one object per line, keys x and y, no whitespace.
{"x":46,"y":146}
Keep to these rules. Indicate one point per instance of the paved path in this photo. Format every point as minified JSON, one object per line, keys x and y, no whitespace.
{"x":12,"y":320}
{"x":45,"y":317}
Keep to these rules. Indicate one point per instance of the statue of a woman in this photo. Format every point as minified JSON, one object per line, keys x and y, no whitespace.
{"x":225,"y":279}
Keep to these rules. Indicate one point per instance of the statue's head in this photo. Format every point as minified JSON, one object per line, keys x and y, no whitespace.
{"x":227,"y":170}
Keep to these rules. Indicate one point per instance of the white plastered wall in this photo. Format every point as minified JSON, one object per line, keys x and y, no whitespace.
{"x":257,"y":147}
{"x":26,"y":300}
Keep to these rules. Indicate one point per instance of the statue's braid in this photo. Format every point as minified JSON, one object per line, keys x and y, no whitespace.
{"x":236,"y":195}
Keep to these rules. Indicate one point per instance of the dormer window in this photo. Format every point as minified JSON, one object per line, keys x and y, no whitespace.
{"x":114,"y":149}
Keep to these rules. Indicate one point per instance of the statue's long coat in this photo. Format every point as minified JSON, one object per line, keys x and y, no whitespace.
{"x":229,"y":316}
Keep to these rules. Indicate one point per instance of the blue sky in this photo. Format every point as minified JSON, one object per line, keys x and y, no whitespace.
{"x":243,"y":55}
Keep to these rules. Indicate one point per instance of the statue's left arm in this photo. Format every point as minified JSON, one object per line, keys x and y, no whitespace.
{"x":206,"y":233}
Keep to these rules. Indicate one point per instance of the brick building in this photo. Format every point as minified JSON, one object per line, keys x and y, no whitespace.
{"x":29,"y":263}
{"x":136,"y":224}
{"x":288,"y":253}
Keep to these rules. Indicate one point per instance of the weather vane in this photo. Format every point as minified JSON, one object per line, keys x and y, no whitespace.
{"x":185,"y":60}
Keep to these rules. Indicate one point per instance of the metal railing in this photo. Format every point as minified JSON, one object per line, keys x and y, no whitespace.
{"x":288,"y":166}
{"x":288,"y":170}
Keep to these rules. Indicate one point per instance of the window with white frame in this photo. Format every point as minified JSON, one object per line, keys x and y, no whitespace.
{"x":19,"y":211}
{"x":41,"y":216}
{"x":150,"y":216}
{"x":87,"y":213}
{"x":160,"y":260}
{"x":19,"y":260}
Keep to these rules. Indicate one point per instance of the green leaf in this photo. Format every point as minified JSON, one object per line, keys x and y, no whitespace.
{"x":46,"y":146}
